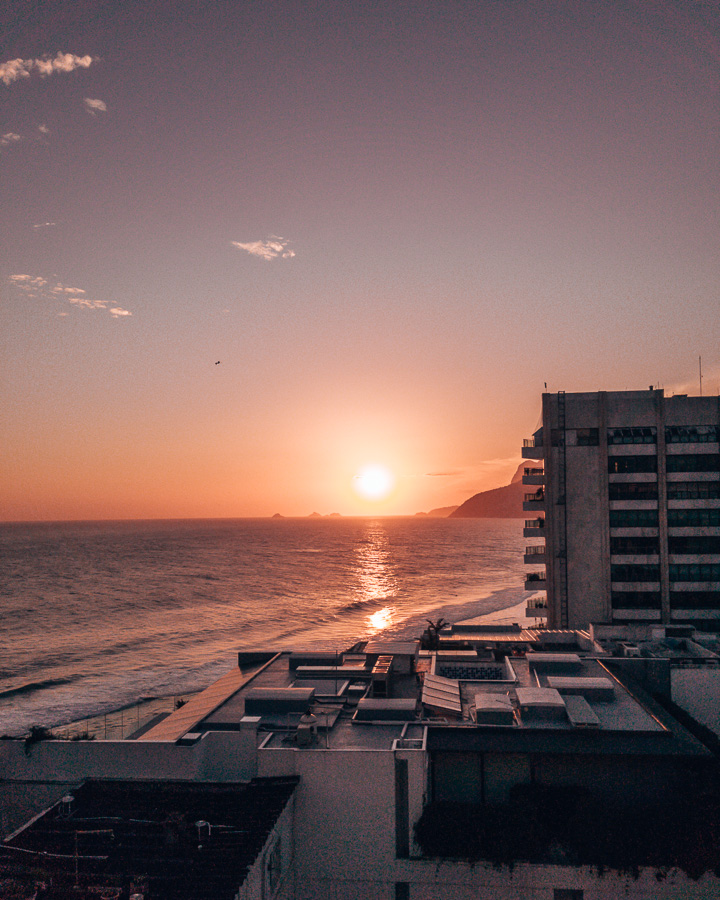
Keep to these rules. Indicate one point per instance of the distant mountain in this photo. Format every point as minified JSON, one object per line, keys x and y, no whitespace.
{"x":441,"y":512}
{"x":500,"y":503}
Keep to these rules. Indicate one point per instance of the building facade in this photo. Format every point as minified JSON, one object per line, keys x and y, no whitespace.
{"x":626,"y":491}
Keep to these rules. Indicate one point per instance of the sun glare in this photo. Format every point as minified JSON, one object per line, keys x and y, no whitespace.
{"x":374,"y":482}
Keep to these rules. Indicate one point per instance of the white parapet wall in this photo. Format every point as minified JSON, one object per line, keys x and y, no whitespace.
{"x":214,"y":756}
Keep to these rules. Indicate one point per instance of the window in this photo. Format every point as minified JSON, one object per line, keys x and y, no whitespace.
{"x":634,"y":546}
{"x":693,"y":462}
{"x":273,"y":868}
{"x":621,"y":464}
{"x":634,"y":518}
{"x":635,"y":599}
{"x":632,"y":436}
{"x":695,"y":572}
{"x":644,"y":490}
{"x":630,"y":572}
{"x":698,"y":434}
{"x":694,"y":545}
{"x":587,"y":437}
{"x":692,"y":490}
{"x":691,"y":518}
{"x":695,"y":599}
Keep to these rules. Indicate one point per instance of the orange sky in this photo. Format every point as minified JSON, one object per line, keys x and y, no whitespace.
{"x":391,"y":224}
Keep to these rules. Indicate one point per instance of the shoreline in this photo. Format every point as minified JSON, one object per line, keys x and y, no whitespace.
{"x":121,"y":723}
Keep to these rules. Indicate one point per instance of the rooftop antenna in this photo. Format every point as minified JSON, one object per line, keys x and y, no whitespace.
{"x":700,"y":367}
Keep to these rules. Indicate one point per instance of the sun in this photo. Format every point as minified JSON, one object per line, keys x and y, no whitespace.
{"x":373,"y":482}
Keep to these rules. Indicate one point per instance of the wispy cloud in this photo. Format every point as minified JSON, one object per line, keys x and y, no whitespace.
{"x":40,"y":288}
{"x":273,"y":248}
{"x":14,"y":69}
{"x":43,"y":129}
{"x":94,"y":106}
{"x":9,"y":138}
{"x":444,"y":474}
{"x":44,"y":225}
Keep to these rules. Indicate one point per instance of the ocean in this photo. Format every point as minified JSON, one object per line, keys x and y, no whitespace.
{"x":98,"y":615}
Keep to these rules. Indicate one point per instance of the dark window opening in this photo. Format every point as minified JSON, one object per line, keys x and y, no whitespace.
{"x":693,"y":490}
{"x":695,"y":572}
{"x":629,"y":572}
{"x":632,"y":436}
{"x":699,"y":434}
{"x":633,"y":518}
{"x":634,"y":546}
{"x":693,"y":462}
{"x":635,"y":599}
{"x":694,"y":544}
{"x":644,"y":490}
{"x":692,"y":518}
{"x":618,"y":465}
{"x":587,"y":437}
{"x":695,"y":599}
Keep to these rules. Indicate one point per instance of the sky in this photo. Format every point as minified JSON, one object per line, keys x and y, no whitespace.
{"x":247,"y":249}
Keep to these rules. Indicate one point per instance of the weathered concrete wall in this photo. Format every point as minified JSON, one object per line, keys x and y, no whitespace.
{"x":457,"y":880}
{"x":697,"y":690}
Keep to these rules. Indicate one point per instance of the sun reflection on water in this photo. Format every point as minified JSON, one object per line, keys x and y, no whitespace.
{"x":375,"y":575}
{"x":382,"y":619}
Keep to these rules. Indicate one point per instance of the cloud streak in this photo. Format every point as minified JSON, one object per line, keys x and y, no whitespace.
{"x":40,"y":288}
{"x":94,"y":106}
{"x":273,"y":248}
{"x":15,"y":69}
{"x":9,"y":138}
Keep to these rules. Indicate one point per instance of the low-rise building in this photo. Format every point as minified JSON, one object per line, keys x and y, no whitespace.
{"x":502,"y":764}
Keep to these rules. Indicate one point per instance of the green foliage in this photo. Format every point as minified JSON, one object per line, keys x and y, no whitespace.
{"x":569,"y":826}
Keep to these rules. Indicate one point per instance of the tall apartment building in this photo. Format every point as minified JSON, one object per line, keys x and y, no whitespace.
{"x":628,"y":503}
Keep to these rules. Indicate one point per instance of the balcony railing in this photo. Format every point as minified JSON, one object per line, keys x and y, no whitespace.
{"x":537,"y":497}
{"x":534,"y":523}
{"x":537,"y":603}
{"x":535,"y":576}
{"x":535,"y":550}
{"x":530,"y":442}
{"x":533,"y":471}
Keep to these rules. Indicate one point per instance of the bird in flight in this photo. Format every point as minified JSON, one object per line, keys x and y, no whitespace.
{"x":217,"y":363}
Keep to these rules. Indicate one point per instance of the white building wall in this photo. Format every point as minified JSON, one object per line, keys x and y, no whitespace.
{"x":344,"y":813}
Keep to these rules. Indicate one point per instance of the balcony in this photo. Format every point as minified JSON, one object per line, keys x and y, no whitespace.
{"x":536,"y":608}
{"x":533,"y":476}
{"x":534,"y":502}
{"x":536,"y":581}
{"x":535,"y":555}
{"x":534,"y":528}
{"x":532,"y":448}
